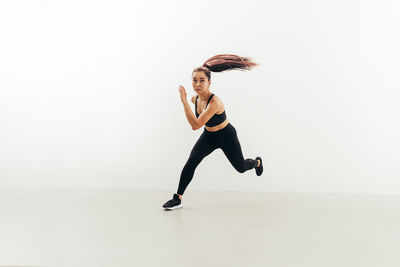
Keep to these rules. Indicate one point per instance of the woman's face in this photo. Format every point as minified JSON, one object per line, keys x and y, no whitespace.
{"x":200,"y":82}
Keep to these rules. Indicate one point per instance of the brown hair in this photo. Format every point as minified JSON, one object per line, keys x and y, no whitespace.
{"x":225,"y":62}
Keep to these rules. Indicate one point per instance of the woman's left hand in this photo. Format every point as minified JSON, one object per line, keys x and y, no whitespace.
{"x":182,"y":91}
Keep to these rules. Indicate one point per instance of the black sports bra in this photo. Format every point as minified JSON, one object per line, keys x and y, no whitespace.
{"x":216,"y":119}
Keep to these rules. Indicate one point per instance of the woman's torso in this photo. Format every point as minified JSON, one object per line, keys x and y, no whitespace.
{"x":201,"y":106}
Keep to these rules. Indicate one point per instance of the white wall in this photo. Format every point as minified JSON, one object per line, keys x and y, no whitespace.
{"x":89,"y":93}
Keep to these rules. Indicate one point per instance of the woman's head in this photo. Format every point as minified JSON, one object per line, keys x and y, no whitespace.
{"x":201,"y":79}
{"x":219,"y":63}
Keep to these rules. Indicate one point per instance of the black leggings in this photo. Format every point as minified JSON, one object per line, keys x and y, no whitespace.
{"x":227,"y":140}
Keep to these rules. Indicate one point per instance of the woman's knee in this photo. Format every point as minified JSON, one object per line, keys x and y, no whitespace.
{"x":193,"y":161}
{"x":240,"y":168}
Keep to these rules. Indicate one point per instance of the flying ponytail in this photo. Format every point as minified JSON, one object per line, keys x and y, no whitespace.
{"x":225,"y":62}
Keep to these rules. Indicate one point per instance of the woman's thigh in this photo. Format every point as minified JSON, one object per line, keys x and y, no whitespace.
{"x":231,"y":147}
{"x":202,"y":148}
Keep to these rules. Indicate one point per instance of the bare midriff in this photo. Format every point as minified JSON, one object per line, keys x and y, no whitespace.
{"x":217,"y":127}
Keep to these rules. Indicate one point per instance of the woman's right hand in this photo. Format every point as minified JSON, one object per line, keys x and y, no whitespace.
{"x":182,"y":92}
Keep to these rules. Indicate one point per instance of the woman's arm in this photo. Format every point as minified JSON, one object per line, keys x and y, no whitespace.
{"x":197,"y":123}
{"x":189,"y":115}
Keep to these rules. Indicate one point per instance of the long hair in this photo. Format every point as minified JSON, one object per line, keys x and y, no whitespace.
{"x":225,"y":62}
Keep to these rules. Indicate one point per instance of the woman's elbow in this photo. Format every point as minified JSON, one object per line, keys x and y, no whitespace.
{"x":196,"y":126}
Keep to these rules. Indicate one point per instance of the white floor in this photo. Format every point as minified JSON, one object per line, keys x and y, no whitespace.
{"x":124,"y":227}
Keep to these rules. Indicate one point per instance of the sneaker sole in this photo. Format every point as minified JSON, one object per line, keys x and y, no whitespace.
{"x":172,"y":208}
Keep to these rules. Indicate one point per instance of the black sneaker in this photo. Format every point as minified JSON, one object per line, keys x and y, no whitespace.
{"x":174,"y":203}
{"x":259,"y":169}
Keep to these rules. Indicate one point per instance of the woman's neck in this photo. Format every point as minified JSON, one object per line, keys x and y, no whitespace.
{"x":205,"y":96}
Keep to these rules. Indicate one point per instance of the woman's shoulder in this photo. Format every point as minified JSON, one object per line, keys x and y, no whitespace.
{"x":218,"y":102}
{"x":216,"y":99}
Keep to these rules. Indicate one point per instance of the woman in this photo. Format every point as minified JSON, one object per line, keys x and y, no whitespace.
{"x":218,"y":132}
